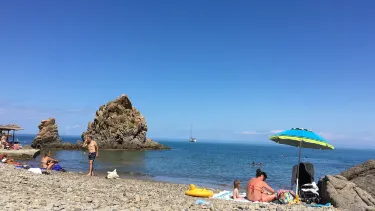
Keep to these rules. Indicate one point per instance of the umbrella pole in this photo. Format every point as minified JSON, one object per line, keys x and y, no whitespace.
{"x":299,"y":161}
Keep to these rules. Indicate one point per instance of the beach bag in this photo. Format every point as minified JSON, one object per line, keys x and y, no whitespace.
{"x":57,"y":167}
{"x":285,"y":197}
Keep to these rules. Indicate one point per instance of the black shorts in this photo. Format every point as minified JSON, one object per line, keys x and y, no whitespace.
{"x":92,"y":155}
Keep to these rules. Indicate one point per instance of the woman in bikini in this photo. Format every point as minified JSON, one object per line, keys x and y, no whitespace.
{"x":257,"y":189}
{"x":47,"y":162}
{"x":257,"y":175}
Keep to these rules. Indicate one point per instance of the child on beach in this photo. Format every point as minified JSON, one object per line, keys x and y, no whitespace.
{"x":236,"y":187}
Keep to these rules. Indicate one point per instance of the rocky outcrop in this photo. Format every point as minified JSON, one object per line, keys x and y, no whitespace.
{"x":344,"y":194}
{"x":48,"y":134}
{"x":48,"y":137}
{"x":22,"y":154}
{"x":119,"y":125}
{"x":363,"y":176}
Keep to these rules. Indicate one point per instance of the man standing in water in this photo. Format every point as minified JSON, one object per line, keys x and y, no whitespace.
{"x":93,"y":152}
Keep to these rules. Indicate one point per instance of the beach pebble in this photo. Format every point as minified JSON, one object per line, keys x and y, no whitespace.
{"x":137,"y":198}
{"x":27,"y":191}
{"x":279,"y":209}
{"x":88,"y":199}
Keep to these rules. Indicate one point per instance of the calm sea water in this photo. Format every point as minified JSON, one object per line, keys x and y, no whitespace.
{"x":210,"y":164}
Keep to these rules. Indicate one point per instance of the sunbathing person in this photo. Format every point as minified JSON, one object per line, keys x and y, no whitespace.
{"x":7,"y":160}
{"x":258,"y":190}
{"x":16,"y":146}
{"x":48,"y":162}
{"x":257,"y":175}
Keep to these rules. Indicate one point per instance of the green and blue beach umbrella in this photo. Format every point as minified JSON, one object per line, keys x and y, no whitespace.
{"x":301,"y":138}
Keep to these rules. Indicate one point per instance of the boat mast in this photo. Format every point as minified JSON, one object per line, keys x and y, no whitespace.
{"x":191,"y":130}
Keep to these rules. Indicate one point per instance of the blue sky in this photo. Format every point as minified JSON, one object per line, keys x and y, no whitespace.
{"x":237,"y":70}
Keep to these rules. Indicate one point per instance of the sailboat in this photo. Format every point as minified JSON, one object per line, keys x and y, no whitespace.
{"x":191,"y":137}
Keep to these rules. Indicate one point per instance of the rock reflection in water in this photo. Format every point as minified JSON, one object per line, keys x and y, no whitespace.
{"x":120,"y":158}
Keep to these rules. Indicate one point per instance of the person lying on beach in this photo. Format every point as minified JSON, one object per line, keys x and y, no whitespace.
{"x":259,"y":190}
{"x":17,"y":146}
{"x":7,"y":160}
{"x":47,"y":162}
{"x":236,"y":193}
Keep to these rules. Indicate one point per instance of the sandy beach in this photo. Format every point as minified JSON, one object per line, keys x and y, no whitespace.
{"x":24,"y":190}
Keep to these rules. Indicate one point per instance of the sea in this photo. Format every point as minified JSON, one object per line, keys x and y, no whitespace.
{"x":209,"y":164}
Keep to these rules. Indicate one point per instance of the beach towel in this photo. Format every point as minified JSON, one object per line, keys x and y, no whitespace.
{"x":228,"y":195}
{"x":318,"y":205}
{"x":35,"y":170}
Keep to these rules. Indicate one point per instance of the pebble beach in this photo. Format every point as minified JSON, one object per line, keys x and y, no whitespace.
{"x":24,"y":190}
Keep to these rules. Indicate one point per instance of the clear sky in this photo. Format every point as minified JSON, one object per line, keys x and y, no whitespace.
{"x":237,"y":70}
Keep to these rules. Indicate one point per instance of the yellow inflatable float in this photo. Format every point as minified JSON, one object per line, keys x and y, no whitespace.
{"x":199,"y":192}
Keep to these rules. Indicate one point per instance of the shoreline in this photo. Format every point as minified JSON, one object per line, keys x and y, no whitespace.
{"x":24,"y":190}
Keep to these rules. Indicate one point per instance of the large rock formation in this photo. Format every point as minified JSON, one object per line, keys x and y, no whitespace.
{"x":363,"y":175}
{"x":48,"y":133}
{"x":48,"y":137}
{"x":119,"y":125}
{"x":347,"y":195}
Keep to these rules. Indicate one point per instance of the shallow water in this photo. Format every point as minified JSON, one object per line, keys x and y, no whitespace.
{"x":214,"y":165}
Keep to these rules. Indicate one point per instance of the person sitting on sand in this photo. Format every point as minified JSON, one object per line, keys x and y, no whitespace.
{"x":259,"y":190}
{"x":236,"y":193}
{"x":47,"y":162}
{"x":257,"y":174}
{"x":4,"y":142}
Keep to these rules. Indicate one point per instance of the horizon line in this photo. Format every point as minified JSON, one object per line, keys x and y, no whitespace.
{"x":340,"y":146}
